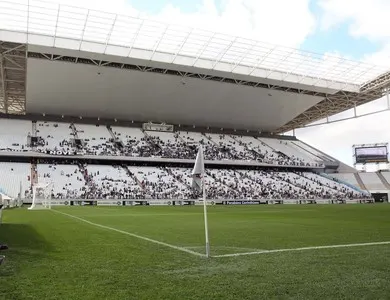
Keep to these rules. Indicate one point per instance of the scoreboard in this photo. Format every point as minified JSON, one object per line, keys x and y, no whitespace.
{"x":371,"y":154}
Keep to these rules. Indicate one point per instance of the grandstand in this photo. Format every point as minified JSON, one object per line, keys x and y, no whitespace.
{"x":241,"y":167}
{"x":80,"y":98}
{"x":79,"y":107}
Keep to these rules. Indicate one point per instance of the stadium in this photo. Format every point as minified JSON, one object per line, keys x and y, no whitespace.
{"x":101,"y":120}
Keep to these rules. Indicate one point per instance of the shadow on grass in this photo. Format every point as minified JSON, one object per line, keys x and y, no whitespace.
{"x":25,"y":244}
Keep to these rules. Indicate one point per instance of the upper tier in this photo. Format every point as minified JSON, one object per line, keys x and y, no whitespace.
{"x":50,"y":137}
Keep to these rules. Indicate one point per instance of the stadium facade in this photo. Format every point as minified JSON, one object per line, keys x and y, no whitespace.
{"x":61,"y":64}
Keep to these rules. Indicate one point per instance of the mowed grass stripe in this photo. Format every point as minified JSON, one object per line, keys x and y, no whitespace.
{"x":133,"y":235}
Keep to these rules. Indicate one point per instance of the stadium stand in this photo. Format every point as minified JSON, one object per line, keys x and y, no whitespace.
{"x":237,"y":151}
{"x":347,"y":177}
{"x":264,"y":153}
{"x":112,"y":182}
{"x":14,"y":175}
{"x":372,"y":181}
{"x":134,"y":142}
{"x":97,"y":140}
{"x":386,"y":175}
{"x":330,"y":184}
{"x":68,"y":182}
{"x":171,"y":145}
{"x":296,"y":155}
{"x":54,"y":137}
{"x":82,"y":180}
{"x":273,"y":186}
{"x":212,"y":150}
{"x":117,"y":182}
{"x":100,"y":140}
{"x":383,"y":179}
{"x":317,"y":154}
{"x":160,"y":184}
{"x":14,"y":134}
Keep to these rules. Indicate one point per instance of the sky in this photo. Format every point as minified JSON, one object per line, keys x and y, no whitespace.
{"x":355,"y":29}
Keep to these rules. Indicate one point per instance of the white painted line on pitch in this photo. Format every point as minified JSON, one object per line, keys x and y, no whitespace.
{"x":141,"y":215}
{"x":225,"y":248}
{"x":303,"y":249}
{"x":133,"y":235}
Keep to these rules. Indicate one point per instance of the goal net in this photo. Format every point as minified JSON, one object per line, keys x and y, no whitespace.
{"x":41,"y":196}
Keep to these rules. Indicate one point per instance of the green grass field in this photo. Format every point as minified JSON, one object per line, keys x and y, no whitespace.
{"x":56,"y":256}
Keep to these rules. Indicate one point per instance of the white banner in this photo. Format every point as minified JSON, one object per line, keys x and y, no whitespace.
{"x":109,"y":203}
{"x":160,"y":202}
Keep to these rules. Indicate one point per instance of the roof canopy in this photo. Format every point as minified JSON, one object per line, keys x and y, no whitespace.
{"x":64,"y":26}
{"x":304,"y":86}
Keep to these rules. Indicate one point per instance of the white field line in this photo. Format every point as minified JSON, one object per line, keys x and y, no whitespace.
{"x":226,"y":248}
{"x":132,"y":234}
{"x":303,"y":249}
{"x":141,"y":215}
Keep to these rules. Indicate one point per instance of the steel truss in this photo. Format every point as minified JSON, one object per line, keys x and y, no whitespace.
{"x":13,"y":78}
{"x":331,"y":105}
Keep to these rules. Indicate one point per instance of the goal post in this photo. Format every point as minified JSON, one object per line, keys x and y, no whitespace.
{"x":41,"y":196}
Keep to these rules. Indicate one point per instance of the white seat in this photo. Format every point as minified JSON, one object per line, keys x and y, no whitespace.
{"x":97,"y":139}
{"x":56,"y":136}
{"x":68,"y":182}
{"x":13,"y":176}
{"x":13,"y":134}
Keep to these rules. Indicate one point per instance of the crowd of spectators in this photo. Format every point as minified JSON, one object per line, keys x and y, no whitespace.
{"x":143,"y":147}
{"x":103,"y":146}
{"x":118,"y":182}
{"x":220,"y":147}
{"x":68,"y":182}
{"x":109,"y":187}
{"x":65,"y":147}
{"x":159,"y":183}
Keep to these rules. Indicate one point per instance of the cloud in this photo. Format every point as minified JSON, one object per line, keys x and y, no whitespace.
{"x":366,"y":19}
{"x":381,"y":57}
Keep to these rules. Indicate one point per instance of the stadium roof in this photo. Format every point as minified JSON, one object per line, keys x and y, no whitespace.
{"x":304,"y":86}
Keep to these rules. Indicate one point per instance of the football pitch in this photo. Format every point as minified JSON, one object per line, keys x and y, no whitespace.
{"x":259,"y":252}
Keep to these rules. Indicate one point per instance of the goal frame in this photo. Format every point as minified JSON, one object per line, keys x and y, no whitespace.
{"x":42,"y":202}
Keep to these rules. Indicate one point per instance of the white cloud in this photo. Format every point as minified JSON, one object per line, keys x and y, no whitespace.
{"x":366,"y":19}
{"x":381,"y":57}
